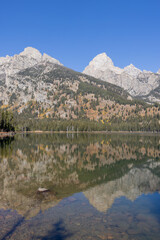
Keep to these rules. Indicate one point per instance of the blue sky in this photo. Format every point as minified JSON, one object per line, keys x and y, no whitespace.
{"x":75,"y":31}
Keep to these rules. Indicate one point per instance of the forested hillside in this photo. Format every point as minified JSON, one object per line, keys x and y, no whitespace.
{"x":49,"y":96}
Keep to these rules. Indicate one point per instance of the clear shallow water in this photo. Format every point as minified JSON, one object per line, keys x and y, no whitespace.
{"x":101,"y":187}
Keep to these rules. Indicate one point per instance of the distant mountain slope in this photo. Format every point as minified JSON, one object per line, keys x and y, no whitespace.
{"x":28,"y":58}
{"x":132,"y":79}
{"x":54,"y":87}
{"x":36,"y":86}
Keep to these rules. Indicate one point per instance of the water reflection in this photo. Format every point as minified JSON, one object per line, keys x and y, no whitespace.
{"x":133,"y":184}
{"x":106,"y":168}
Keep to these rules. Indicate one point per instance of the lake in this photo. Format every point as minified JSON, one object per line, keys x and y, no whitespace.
{"x":99,"y":187}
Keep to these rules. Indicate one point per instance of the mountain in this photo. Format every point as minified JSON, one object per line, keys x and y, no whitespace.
{"x":136,"y":82}
{"x":31,"y":77}
{"x":28,"y":58}
{"x":36,"y":86}
{"x":11,"y":66}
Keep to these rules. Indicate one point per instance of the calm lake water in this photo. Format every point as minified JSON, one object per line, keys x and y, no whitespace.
{"x":100,"y":187}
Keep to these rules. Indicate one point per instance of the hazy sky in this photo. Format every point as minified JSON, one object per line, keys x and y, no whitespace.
{"x":75,"y":31}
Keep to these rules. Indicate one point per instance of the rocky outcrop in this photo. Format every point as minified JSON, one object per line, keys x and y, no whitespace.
{"x":28,"y":58}
{"x":10,"y":84}
{"x":132,"y":79}
{"x":31,"y":78}
{"x":16,"y":85}
{"x":42,"y":80}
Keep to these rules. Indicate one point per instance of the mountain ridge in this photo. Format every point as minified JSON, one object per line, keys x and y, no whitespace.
{"x":36,"y":86}
{"x":136,"y":82}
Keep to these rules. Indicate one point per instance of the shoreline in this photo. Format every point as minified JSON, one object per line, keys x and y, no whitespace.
{"x":6,"y":134}
{"x":92,"y":132}
{"x":11,"y":134}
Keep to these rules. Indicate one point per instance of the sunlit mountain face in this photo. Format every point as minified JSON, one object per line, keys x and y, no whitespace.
{"x":99,"y":186}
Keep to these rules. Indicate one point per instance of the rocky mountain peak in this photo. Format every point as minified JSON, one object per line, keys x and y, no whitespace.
{"x":48,"y":58}
{"x":130,"y":78}
{"x":31,"y":53}
{"x":29,"y":57}
{"x":101,"y":61}
{"x":26,"y":59}
{"x":4,"y":59}
{"x":100,"y":66}
{"x":132,"y":70}
{"x":158,"y":71}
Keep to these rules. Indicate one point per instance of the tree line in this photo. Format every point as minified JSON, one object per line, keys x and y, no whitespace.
{"x":6,"y":121}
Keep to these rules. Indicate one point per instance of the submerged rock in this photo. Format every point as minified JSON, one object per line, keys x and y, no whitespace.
{"x":41,"y":190}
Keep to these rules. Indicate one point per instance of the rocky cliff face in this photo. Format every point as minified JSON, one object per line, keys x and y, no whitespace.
{"x":28,"y":58}
{"x":136,"y":82}
{"x":40,"y":85}
{"x":132,"y":79}
{"x":11,"y":66}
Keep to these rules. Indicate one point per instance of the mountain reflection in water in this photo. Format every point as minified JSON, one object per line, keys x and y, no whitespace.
{"x":106,"y":168}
